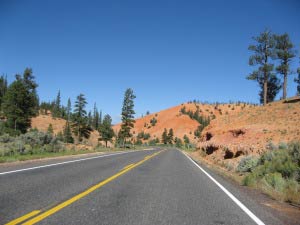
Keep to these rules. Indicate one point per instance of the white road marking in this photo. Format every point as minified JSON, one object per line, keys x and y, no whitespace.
{"x":241,"y":205}
{"x":66,"y":162}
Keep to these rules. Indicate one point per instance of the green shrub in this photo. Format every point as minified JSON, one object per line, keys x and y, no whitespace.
{"x":138,"y":142}
{"x":249,"y":180}
{"x":294,"y":151}
{"x":277,"y":172}
{"x":6,"y":130}
{"x":36,"y":138}
{"x":271,"y":146}
{"x":279,"y":161}
{"x":153,"y":121}
{"x":292,"y":191}
{"x":152,"y":142}
{"x":275,"y":180}
{"x":178,"y":142}
{"x":143,"y":135}
{"x":5,"y":138}
{"x":247,"y":163}
{"x":282,"y":146}
{"x":31,"y":142}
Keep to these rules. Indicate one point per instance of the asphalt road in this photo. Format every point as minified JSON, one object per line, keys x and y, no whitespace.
{"x":141,"y":187}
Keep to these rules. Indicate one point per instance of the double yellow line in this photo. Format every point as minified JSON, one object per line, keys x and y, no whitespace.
{"x":38,"y":217}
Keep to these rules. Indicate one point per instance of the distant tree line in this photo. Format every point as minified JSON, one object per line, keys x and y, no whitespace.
{"x":272,"y":57}
{"x":19,"y":102}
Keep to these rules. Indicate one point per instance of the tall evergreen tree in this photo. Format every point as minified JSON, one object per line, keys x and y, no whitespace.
{"x":96,"y":118}
{"x":297,"y":80}
{"x":69,"y":109}
{"x":263,"y":52}
{"x":170,"y":136}
{"x":285,"y":53}
{"x":57,"y":106}
{"x":90,"y":119}
{"x":3,"y":88}
{"x":63,"y":112}
{"x":68,"y":133}
{"x":45,"y":107}
{"x":17,"y":106}
{"x":31,"y":86}
{"x":80,"y":123}
{"x":100,"y":117}
{"x":50,"y":129}
{"x":164,"y":137}
{"x":106,"y":130}
{"x":127,"y":115}
{"x":186,"y":139}
{"x":178,"y":142}
{"x":274,"y":86}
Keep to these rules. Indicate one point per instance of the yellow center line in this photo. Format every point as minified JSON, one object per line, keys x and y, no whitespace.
{"x":85,"y":193}
{"x":25,"y":217}
{"x":126,"y":167}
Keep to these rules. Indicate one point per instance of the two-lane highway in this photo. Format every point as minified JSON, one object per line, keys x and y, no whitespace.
{"x":141,"y":187}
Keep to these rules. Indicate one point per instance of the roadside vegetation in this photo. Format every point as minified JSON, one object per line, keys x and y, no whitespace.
{"x":19,"y":103}
{"x":35,"y":144}
{"x":276,"y":172}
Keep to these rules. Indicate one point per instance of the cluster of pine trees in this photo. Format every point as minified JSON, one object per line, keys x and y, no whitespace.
{"x":202,"y":120}
{"x":19,"y":102}
{"x":272,"y":56}
{"x":167,"y":136}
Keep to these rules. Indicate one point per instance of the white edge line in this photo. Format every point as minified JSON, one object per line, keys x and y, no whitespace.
{"x":233,"y":198}
{"x":67,"y":162}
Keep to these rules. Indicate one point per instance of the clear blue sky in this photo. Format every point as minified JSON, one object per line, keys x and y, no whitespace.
{"x":169,"y":52}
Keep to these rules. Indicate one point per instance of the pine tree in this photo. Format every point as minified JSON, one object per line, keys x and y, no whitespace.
{"x":50,"y":129}
{"x":285,"y":53}
{"x":263,"y":51}
{"x":31,"y":85}
{"x":178,"y":142}
{"x":297,"y":80}
{"x":164,"y":137}
{"x":170,"y":136}
{"x":80,"y":123}
{"x":96,"y":118}
{"x":45,"y":107}
{"x":127,"y":115}
{"x":90,"y":119}
{"x":106,"y":130}
{"x":57,"y":109}
{"x":100,"y":118}
{"x":68,"y":133}
{"x":156,"y":140}
{"x":3,"y":88}
{"x":60,"y":136}
{"x":69,"y":109}
{"x":274,"y":86}
{"x":63,"y":112}
{"x":20,"y":102}
{"x":186,"y":139}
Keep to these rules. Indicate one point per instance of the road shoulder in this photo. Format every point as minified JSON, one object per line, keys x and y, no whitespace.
{"x":284,"y":212}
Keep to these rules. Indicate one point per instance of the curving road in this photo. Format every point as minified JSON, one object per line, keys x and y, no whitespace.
{"x":140,"y":187}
